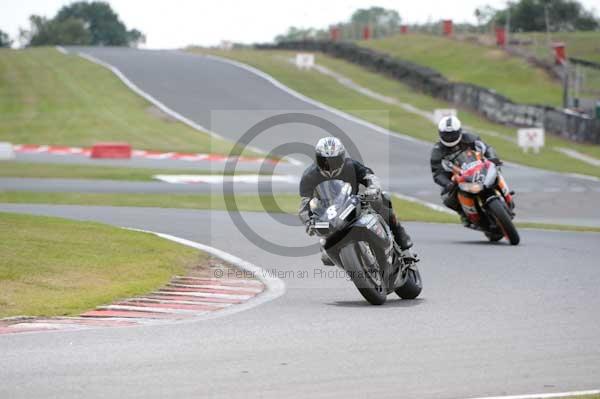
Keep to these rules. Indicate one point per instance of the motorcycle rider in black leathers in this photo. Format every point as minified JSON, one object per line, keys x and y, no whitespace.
{"x":331,"y":163}
{"x":452,"y":142}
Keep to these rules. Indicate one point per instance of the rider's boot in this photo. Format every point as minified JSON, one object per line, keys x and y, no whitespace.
{"x":325,"y":259}
{"x":401,"y":238}
{"x":464,"y":219}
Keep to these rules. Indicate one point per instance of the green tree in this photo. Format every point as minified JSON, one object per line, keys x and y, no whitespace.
{"x":46,"y":32}
{"x":93,"y":23}
{"x":5,"y":39}
{"x":484,"y":15}
{"x":383,"y":21}
{"x":563,"y":15}
{"x":294,"y":34}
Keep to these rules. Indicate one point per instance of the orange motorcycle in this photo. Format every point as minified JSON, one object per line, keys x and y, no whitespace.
{"x":483,"y":195}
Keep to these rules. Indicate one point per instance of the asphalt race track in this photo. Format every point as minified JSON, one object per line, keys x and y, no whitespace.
{"x":229,"y":100}
{"x":492,"y":320}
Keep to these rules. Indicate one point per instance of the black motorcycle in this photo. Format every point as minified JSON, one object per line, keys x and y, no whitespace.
{"x":358,"y":240}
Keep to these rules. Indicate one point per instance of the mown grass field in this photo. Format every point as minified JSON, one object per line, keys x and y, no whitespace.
{"x":585,"y":45}
{"x":287,"y":203}
{"x":50,"y":98}
{"x":51,"y":266}
{"x":327,"y":90}
{"x":467,"y":62}
{"x":75,"y":171}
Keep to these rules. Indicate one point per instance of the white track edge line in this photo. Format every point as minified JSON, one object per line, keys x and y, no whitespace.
{"x":544,"y":395}
{"x":274,"y":287}
{"x":429,"y":205}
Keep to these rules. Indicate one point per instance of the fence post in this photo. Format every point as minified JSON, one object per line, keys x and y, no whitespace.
{"x":501,"y":37}
{"x":366,"y":34}
{"x":448,"y":27}
{"x":334,"y":33}
{"x":560,"y":53}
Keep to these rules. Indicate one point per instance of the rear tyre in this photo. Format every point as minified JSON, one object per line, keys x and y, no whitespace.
{"x":504,"y":221}
{"x":413,"y":285}
{"x":355,"y":263}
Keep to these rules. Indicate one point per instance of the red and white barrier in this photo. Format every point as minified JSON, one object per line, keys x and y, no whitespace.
{"x":111,"y":150}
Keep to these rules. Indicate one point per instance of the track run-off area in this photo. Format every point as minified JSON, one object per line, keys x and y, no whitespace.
{"x":492,"y":320}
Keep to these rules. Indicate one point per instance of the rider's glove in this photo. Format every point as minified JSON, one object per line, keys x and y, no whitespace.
{"x":372,"y":192}
{"x":310,"y":228}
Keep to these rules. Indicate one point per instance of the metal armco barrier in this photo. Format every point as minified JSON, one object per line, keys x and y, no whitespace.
{"x":486,"y":102}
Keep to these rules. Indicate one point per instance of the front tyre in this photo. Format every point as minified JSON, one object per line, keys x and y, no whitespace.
{"x":364,"y":274}
{"x":493,"y":237}
{"x":413,"y":285}
{"x":498,"y":211}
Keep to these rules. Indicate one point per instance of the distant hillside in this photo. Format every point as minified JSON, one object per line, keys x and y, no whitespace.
{"x":472,"y":63}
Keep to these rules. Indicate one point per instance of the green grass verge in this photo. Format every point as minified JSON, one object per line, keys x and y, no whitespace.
{"x":74,"y":171}
{"x":583,"y":45}
{"x":51,"y":266}
{"x":487,"y":66}
{"x":327,"y":90}
{"x":288,"y":203}
{"x":50,"y":98}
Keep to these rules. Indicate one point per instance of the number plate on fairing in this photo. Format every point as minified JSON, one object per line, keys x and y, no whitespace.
{"x":467,"y":166}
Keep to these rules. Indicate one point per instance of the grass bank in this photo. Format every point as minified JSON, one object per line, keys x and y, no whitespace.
{"x":50,"y":98}
{"x":51,"y":266}
{"x":467,"y":62}
{"x":578,"y":44}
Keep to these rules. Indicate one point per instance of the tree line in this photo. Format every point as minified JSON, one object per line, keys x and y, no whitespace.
{"x":523,"y":16}
{"x":80,"y":23}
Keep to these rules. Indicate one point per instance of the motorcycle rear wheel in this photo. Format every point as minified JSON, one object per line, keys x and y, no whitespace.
{"x":353,"y":259}
{"x":504,"y":221}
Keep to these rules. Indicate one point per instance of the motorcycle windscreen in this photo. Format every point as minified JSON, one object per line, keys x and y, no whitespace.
{"x":467,"y":157}
{"x":332,"y":192}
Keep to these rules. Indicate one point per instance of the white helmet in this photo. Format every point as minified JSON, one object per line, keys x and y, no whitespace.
{"x":450,"y":130}
{"x":330,"y":156}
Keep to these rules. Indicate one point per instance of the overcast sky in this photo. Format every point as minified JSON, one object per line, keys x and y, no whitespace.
{"x":176,"y":23}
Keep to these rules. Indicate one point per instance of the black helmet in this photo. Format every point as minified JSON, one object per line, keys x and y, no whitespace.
{"x":330,"y":156}
{"x":450,"y":130}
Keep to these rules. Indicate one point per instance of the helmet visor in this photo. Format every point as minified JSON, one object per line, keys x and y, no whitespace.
{"x":450,"y":138}
{"x":330,"y":164}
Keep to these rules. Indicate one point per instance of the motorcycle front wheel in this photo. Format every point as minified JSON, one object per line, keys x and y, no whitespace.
{"x":413,"y":285}
{"x":365,"y":274}
{"x":504,"y":221}
{"x":493,"y":237}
